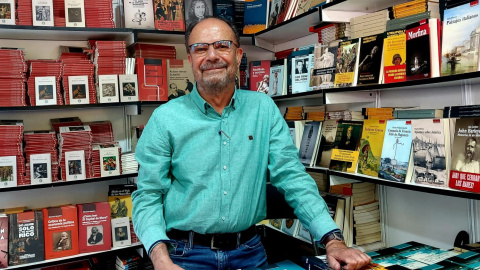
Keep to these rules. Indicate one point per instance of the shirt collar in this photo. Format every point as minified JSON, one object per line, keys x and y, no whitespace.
{"x":203,"y":105}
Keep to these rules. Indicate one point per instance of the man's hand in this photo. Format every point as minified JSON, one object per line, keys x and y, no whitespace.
{"x":338,"y":255}
{"x":161,"y":258}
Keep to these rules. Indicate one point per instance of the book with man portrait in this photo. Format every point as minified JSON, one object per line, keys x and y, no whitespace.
{"x":61,"y":231}
{"x":324,"y":65}
{"x":180,"y":78}
{"x":94,"y":228}
{"x":345,"y":151}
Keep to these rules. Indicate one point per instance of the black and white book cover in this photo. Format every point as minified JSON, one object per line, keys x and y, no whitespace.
{"x":110,"y":161}
{"x":324,"y":65}
{"x":78,"y":90}
{"x":75,"y":165}
{"x":7,"y":12}
{"x":301,"y":67}
{"x":40,"y":169}
{"x":128,"y":84}
{"x":121,"y":232}
{"x":74,"y":13}
{"x":108,"y":88}
{"x":309,"y":139}
{"x":8,"y":170}
{"x":42,"y":12}
{"x":197,"y":10}
{"x":371,"y":51}
{"x":139,"y":14}
{"x":45,"y":91}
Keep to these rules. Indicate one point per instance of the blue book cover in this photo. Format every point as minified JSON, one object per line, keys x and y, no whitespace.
{"x":255,"y":19}
{"x":396,"y":150}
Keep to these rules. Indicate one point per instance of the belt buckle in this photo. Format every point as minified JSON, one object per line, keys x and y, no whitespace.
{"x":212,"y":246}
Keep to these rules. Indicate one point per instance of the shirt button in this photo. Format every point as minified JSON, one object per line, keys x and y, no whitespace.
{"x":224,"y":143}
{"x":225,"y":192}
{"x":223,"y":218}
{"x":225,"y":167}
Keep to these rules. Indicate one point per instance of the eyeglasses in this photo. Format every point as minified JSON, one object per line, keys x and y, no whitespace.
{"x":221,"y":47}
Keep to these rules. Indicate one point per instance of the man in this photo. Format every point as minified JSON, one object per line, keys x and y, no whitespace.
{"x":397,"y":59}
{"x":174,"y":92}
{"x":189,"y":87}
{"x":197,"y":209}
{"x":300,"y":67}
{"x":469,"y":164}
{"x":63,"y":242}
{"x":96,"y":236}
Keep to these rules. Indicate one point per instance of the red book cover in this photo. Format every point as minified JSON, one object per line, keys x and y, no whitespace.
{"x":94,"y":230}
{"x":169,"y":15}
{"x":152,"y":79}
{"x":3,"y":241}
{"x":61,"y":231}
{"x":25,"y":238}
{"x":258,"y":70}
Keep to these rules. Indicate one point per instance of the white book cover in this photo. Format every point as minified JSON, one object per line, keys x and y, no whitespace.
{"x":128,"y":87}
{"x":277,"y":78}
{"x":74,"y":13}
{"x":108,"y":88}
{"x":8,"y":167}
{"x":301,"y":74}
{"x":304,"y":232}
{"x":109,"y":160}
{"x":121,"y":232}
{"x":45,"y":91}
{"x":42,"y":12}
{"x":40,"y":169}
{"x":75,"y":165}
{"x":139,"y":14}
{"x":7,"y":12}
{"x":78,"y":90}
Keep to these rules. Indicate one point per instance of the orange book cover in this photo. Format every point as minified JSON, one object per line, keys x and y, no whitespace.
{"x":94,"y":228}
{"x":61,"y":231}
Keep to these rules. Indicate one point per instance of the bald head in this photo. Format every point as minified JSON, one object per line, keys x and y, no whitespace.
{"x":212,"y":22}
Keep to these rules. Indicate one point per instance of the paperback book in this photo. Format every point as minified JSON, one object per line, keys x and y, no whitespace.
{"x":278,"y":78}
{"x":110,"y":160}
{"x":169,"y":15}
{"x":327,"y":143}
{"x":301,"y":73}
{"x":108,"y":88}
{"x":394,"y":56}
{"x":78,"y":90}
{"x":152,"y":79}
{"x":42,"y":12}
{"x":371,"y":145}
{"x":40,"y":169}
{"x":196,"y":10}
{"x":8,"y":165}
{"x":61,"y":231}
{"x":128,"y":84}
{"x":309,"y":142}
{"x":3,"y":240}
{"x":94,"y":227}
{"x":26,"y":238}
{"x":180,"y":78}
{"x":75,"y":164}
{"x":139,"y":14}
{"x":121,"y":232}
{"x":7,"y":12}
{"x":255,"y":17}
{"x":74,"y":13}
{"x":259,"y":76}
{"x":347,"y":62}
{"x":345,"y":151}
{"x":370,"y":60}
{"x":45,"y":91}
{"x":324,"y":62}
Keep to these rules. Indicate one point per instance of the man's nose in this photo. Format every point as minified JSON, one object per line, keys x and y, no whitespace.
{"x":212,"y":54}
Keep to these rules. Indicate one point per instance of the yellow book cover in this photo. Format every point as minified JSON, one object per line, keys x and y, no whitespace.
{"x":345,"y":152}
{"x":371,"y":145}
{"x":395,"y":51}
{"x":120,"y":200}
{"x":346,"y":63}
{"x":407,"y":4}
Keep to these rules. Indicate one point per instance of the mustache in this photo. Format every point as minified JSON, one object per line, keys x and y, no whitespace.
{"x":208,"y":66}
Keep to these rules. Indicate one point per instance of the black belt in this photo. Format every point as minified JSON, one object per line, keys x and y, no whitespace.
{"x":224,"y":241}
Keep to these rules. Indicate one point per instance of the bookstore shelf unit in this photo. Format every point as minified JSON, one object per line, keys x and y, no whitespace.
{"x":74,"y":258}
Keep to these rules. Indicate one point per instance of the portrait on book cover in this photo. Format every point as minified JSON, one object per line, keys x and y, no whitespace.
{"x":5,"y":11}
{"x":42,"y":13}
{"x":109,"y":163}
{"x":128,"y":89}
{"x":61,"y":241}
{"x":40,"y":171}
{"x":74,"y":15}
{"x":121,"y":233}
{"x":95,"y":235}
{"x":108,"y":90}
{"x":79,"y":91}
{"x":6,"y":173}
{"x":45,"y":92}
{"x":118,"y":209}
{"x":465,"y":152}
{"x":74,"y":167}
{"x":196,"y":10}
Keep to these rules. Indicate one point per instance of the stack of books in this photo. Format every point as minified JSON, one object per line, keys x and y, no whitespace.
{"x":369,"y":24}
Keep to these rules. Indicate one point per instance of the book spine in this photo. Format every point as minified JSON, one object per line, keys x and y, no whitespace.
{"x":414,"y":114}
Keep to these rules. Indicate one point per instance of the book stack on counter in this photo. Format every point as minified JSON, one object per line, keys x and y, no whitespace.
{"x":12,"y":78}
{"x":415,"y":7}
{"x":153,"y":51}
{"x":12,"y":163}
{"x":369,"y":24}
{"x":24,"y":12}
{"x":44,"y":82}
{"x":42,"y":157}
{"x":99,"y":14}
{"x":366,"y":214}
{"x":294,"y":113}
{"x":59,"y":13}
{"x":345,"y":115}
{"x":77,"y":79}
{"x":75,"y":146}
{"x":102,"y":131}
{"x":106,"y":158}
{"x":56,"y":123}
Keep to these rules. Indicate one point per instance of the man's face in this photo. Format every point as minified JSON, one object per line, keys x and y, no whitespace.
{"x":276,"y":75}
{"x":470,"y":149}
{"x":173,"y":87}
{"x":213,"y":69}
{"x":299,"y":65}
{"x":64,"y":235}
{"x":94,"y":231}
{"x":397,"y":61}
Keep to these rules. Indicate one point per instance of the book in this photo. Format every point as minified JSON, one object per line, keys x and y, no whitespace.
{"x":422,"y":47}
{"x":336,"y":208}
{"x":197,"y":10}
{"x":74,"y":13}
{"x":304,"y":233}
{"x":224,"y":9}
{"x":108,"y":88}
{"x":169,"y":15}
{"x":301,"y":73}
{"x":42,"y":12}
{"x":139,"y":14}
{"x":347,"y":63}
{"x":274,"y":13}
{"x":276,"y":223}
{"x":418,"y":114}
{"x":3,"y":240}
{"x":94,"y":228}
{"x":8,"y":178}
{"x":394,"y":56}
{"x":152,"y":79}
{"x":45,"y":91}
{"x":458,"y":54}
{"x":327,"y":143}
{"x":61,"y":231}
{"x":465,"y":166}
{"x":110,"y":161}
{"x":40,"y":169}
{"x":78,"y":90}
{"x":371,"y":145}
{"x":290,"y":226}
{"x":323,"y":74}
{"x":75,"y":162}
{"x":121,"y":232}
{"x":7,"y":12}
{"x":309,"y":142}
{"x":278,"y":78}
{"x":25,"y":238}
{"x":431,"y":151}
{"x":396,"y":151}
{"x":259,"y":72}
{"x":345,"y":152}
{"x":180,"y":78}
{"x":239,"y":14}
{"x":128,"y":84}
{"x":255,"y":16}
{"x":370,"y":60}
{"x":120,"y":200}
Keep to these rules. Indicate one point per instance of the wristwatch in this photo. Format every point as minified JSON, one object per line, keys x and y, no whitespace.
{"x":336,"y":235}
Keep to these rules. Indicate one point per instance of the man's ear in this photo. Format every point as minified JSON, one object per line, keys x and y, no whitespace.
{"x":239,"y":56}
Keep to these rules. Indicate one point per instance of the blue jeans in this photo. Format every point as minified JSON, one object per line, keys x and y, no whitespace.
{"x":193,"y":257}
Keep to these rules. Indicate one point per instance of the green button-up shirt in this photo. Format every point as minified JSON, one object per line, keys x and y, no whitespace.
{"x":207,"y":172}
